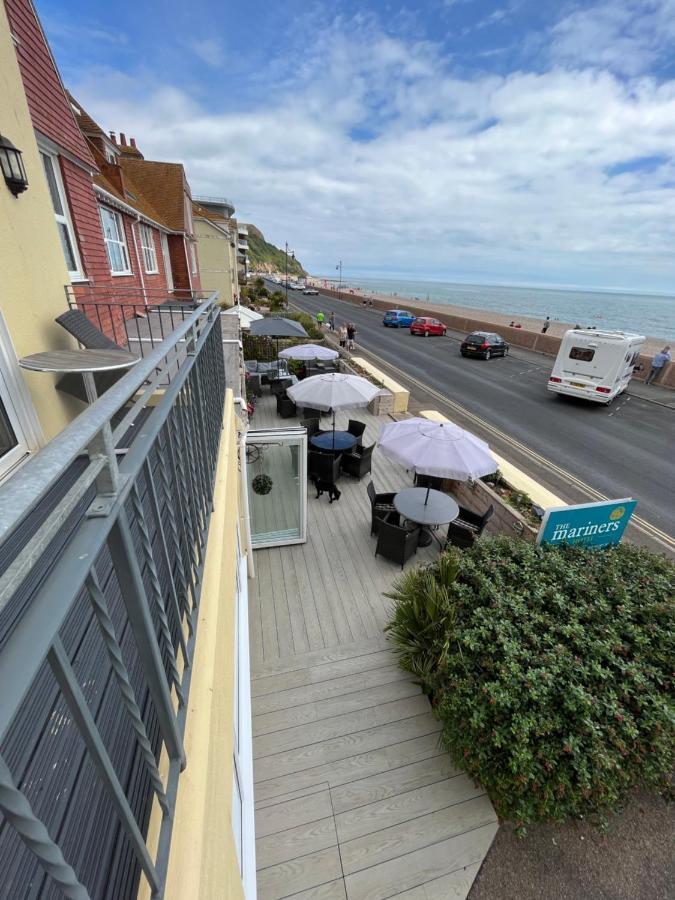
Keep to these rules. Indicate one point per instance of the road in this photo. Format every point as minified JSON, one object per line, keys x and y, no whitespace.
{"x":579,"y":450}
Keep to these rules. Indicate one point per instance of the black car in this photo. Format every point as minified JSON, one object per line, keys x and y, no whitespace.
{"x":484,"y":344}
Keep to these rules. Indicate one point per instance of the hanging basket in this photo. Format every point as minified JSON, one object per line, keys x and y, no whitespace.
{"x":262,"y":484}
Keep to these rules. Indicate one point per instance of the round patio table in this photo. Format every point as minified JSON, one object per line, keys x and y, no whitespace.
{"x":84,"y":362}
{"x":439,"y":509}
{"x":343,"y":441}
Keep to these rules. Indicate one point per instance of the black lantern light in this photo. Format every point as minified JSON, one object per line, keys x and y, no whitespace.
{"x":12,"y":167}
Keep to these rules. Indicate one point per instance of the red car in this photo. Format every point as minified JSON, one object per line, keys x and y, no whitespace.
{"x":427,"y":326}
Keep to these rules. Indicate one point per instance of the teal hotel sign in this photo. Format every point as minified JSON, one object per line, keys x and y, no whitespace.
{"x":592,"y":524}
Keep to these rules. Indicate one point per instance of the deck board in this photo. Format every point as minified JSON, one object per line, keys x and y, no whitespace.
{"x":355,"y":797}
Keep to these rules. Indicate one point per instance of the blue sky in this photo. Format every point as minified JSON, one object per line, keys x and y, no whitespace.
{"x":512,"y":142}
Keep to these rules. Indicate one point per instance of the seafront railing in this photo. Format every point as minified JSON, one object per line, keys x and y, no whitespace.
{"x":102,"y":543}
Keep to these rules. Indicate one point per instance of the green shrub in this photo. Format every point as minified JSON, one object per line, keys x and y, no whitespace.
{"x":550,"y":669}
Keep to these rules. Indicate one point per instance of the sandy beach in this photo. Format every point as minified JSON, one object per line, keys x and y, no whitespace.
{"x":438,"y":310}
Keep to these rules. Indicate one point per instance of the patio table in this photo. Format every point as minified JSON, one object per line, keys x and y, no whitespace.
{"x":439,"y":509}
{"x":343,"y":441}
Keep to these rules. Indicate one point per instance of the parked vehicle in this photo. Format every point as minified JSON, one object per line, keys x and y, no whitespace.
{"x":398,"y":318}
{"x":595,"y":365}
{"x":426,"y":326}
{"x":312,"y":291}
{"x":485,"y":344}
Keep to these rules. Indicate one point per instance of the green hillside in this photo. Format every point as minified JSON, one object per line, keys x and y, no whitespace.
{"x":265,"y":257}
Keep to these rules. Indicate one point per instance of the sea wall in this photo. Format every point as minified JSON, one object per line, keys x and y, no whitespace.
{"x":547,"y":344}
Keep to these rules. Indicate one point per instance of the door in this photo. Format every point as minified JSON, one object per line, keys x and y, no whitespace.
{"x":276,"y":472}
{"x":167,"y":262}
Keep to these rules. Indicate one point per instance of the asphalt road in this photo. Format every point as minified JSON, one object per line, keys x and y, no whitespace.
{"x":576,"y":448}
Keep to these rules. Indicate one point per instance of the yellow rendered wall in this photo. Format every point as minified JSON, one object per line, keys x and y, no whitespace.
{"x":31,"y":259}
{"x":203,"y":862}
{"x":215,"y":270}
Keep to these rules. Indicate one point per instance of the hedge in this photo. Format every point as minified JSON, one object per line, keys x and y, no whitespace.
{"x":550,"y":670}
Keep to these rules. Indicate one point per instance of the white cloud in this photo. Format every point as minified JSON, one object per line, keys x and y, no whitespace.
{"x":209,"y":50}
{"x":374,"y":152}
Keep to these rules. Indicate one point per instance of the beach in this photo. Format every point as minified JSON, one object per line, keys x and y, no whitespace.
{"x":534,"y":324}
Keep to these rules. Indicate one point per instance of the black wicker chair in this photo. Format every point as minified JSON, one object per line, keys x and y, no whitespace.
{"x":285,"y":406}
{"x":323,"y":466}
{"x":358,"y":464}
{"x":468,"y":527}
{"x":380,"y":506}
{"x":396,"y":542}
{"x":430,"y":481}
{"x":356,"y":428}
{"x":76,"y":323}
{"x":308,"y":412}
{"x":312,"y":426}
{"x":279,"y":385}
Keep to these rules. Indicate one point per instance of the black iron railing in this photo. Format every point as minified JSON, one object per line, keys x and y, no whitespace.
{"x":101,"y":562}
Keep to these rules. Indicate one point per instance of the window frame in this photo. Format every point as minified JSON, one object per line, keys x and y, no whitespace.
{"x":65,"y":217}
{"x":149,"y":250}
{"x":120,"y":242}
{"x":580,"y":354}
{"x":194,"y":267}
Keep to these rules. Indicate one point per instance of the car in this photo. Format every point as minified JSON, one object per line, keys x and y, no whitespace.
{"x":398,"y":318}
{"x":312,"y":291}
{"x":426,"y":326}
{"x":484,"y":344}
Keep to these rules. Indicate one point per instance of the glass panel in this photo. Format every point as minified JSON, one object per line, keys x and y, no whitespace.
{"x":67,"y":247}
{"x":276,"y":488}
{"x":48,"y":163}
{"x":583,"y":354}
{"x":8,"y":439}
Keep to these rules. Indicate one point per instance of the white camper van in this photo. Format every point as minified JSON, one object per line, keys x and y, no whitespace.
{"x":595,"y":365}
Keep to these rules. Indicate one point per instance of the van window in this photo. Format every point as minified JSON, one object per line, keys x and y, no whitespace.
{"x":583,"y":354}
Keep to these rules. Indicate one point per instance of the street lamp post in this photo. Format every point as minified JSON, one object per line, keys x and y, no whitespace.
{"x":339,"y":266}
{"x":293,"y":257}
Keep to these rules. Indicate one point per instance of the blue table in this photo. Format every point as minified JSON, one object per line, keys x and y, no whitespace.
{"x":343,"y":441}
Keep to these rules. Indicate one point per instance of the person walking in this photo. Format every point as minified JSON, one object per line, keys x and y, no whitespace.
{"x":546,"y":325}
{"x":657,"y":364}
{"x":331,"y":321}
{"x":351,"y":334}
{"x":320,"y":319}
{"x":370,"y":303}
{"x":342,"y":335}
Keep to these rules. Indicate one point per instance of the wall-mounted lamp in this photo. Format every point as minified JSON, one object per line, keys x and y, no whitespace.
{"x":12,"y":167}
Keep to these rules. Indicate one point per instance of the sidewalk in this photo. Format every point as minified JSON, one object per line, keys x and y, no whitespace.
{"x":652,"y":392}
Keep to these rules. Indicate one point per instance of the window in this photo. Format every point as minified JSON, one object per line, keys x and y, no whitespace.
{"x":115,"y":242}
{"x":149,"y":252}
{"x":583,"y":354}
{"x":193,"y":257}
{"x":62,"y":214}
{"x":19,"y":428}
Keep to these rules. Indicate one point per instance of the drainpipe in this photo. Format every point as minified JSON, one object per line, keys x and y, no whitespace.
{"x":243,"y":486}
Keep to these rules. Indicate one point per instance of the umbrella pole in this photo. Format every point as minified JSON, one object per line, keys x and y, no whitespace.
{"x":333,"y":431}
{"x":426,"y":499}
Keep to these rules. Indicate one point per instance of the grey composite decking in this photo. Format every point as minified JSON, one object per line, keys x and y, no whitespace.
{"x":355,"y":798}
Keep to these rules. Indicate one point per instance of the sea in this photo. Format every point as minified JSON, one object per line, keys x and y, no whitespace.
{"x":648,"y":314}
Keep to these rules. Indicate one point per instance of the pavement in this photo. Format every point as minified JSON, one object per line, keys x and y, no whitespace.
{"x":580,"y":451}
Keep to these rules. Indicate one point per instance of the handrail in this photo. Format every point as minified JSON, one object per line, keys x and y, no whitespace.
{"x":35,"y":477}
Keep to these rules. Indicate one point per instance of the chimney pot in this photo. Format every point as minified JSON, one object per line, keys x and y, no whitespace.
{"x":132,"y":141}
{"x":123,"y":139}
{"x":113,"y":137}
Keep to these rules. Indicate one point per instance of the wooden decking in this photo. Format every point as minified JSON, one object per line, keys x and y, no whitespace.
{"x":355,"y":798}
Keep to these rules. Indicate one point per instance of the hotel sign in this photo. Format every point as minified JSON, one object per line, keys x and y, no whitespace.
{"x":592,"y":524}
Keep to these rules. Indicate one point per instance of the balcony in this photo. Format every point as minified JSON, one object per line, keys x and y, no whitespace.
{"x":242,"y":245}
{"x":220,"y":205}
{"x":242,"y":230}
{"x":103,"y":559}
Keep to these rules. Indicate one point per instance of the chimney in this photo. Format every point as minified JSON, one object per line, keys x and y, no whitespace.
{"x":113,"y":137}
{"x":133,"y":143}
{"x":123,"y":139}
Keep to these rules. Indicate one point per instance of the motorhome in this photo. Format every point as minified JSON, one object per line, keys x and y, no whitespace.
{"x":595,"y":365}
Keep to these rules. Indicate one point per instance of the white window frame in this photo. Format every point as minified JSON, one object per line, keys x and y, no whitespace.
{"x":193,"y":258}
{"x":149,"y":250}
{"x":120,"y":241}
{"x":64,"y":218}
{"x":18,"y":406}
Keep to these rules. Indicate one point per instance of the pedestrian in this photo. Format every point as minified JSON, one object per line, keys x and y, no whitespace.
{"x":342,"y":335}
{"x":657,"y":364}
{"x":331,"y":321}
{"x":370,"y":302}
{"x":351,"y":334}
{"x":546,"y":325}
{"x":512,"y":324}
{"x":364,"y":303}
{"x":319,"y":318}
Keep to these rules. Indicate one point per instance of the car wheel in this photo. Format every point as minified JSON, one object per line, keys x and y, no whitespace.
{"x":463,"y":353}
{"x":488,"y":354}
{"x":426,"y":334}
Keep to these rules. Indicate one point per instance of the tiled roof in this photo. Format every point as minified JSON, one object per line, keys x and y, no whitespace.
{"x":162,"y":185}
{"x":133,"y":198}
{"x":85,"y":121}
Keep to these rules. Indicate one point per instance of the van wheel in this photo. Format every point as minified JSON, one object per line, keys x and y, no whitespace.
{"x":488,"y":354}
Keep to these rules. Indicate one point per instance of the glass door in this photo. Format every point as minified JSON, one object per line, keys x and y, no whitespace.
{"x":276,"y":467}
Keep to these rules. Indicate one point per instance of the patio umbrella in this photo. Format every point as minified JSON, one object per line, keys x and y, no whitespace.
{"x":440,"y":449}
{"x":277,"y":327}
{"x":333,"y":391}
{"x":309,"y":351}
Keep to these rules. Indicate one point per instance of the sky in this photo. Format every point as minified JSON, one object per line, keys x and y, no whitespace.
{"x":522,"y":141}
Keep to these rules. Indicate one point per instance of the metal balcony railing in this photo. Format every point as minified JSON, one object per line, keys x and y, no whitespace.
{"x":102,"y":544}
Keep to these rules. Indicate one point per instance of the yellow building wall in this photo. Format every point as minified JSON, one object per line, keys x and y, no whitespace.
{"x":31,"y":259}
{"x":203,"y":862}
{"x":215,"y":269}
